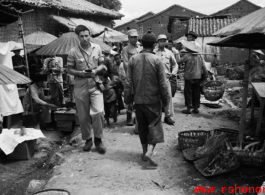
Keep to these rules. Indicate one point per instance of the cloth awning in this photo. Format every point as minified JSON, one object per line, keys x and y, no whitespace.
{"x":109,"y":36}
{"x":66,"y":22}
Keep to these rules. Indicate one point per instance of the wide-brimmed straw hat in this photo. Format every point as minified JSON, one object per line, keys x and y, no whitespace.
{"x":259,"y":51}
{"x":190,"y":45}
{"x":16,"y":48}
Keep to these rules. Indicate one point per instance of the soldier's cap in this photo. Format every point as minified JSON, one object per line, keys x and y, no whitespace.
{"x":162,"y":37}
{"x":149,"y":36}
{"x":133,"y":33}
{"x":80,"y":28}
{"x":191,"y":33}
{"x":16,"y":48}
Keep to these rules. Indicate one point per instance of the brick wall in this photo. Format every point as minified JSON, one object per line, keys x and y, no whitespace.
{"x":32,"y":21}
{"x":132,"y":24}
{"x":240,"y":9}
{"x":39,"y":19}
{"x":158,"y":23}
{"x":179,"y":28}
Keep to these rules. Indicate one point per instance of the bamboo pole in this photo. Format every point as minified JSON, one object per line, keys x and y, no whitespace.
{"x":244,"y":99}
{"x":20,"y":24}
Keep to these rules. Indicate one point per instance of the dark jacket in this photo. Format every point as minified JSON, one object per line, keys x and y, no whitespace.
{"x":146,"y":80}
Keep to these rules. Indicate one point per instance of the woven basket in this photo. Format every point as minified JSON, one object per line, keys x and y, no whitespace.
{"x":193,"y":138}
{"x":213,"y":90}
{"x":232,"y":135}
{"x":249,"y":157}
{"x":52,"y":192}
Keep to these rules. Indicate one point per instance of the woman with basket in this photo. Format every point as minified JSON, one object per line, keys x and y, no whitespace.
{"x":195,"y":74}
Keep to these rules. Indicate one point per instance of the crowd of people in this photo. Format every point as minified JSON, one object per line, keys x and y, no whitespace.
{"x":138,"y":78}
{"x":101,"y":84}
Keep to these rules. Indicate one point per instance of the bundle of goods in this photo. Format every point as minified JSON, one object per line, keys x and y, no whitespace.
{"x":193,"y":138}
{"x":231,"y":135}
{"x":223,"y":162}
{"x":212,"y":146}
{"x":251,"y":154}
{"x":213,"y":90}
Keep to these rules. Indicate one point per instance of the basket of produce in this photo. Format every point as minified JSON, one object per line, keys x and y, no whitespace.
{"x":190,"y":154}
{"x":52,"y":192}
{"x":224,"y":162}
{"x":251,"y":154}
{"x":213,"y":90}
{"x":193,"y":138}
{"x":221,"y":70}
{"x":214,"y":144}
{"x":231,"y":135}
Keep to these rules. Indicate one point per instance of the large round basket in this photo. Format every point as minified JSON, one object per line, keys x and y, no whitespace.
{"x":190,"y":139}
{"x":213,"y":90}
{"x":52,"y":192}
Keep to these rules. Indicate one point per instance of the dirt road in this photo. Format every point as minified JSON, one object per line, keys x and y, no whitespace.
{"x":121,"y":171}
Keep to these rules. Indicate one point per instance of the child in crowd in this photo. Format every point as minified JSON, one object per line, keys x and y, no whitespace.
{"x":110,"y":97}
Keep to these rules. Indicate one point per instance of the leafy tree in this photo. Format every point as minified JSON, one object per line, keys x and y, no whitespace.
{"x":109,"y":4}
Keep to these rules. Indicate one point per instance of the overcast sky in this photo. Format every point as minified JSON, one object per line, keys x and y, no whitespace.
{"x":135,"y":8}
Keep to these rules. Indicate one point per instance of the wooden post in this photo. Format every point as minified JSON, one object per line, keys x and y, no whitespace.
{"x":244,"y":100}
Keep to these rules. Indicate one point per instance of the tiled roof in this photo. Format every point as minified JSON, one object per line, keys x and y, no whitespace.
{"x":251,"y":23}
{"x":74,"y":6}
{"x":206,"y":26}
{"x":220,"y":11}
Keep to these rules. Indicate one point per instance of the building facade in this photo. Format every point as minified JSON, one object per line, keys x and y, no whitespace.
{"x":158,"y":23}
{"x":239,"y":9}
{"x":133,"y":23}
{"x":39,"y":16}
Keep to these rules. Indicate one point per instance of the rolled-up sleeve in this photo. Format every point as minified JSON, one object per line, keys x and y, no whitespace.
{"x":71,"y":59}
{"x":164,"y":92}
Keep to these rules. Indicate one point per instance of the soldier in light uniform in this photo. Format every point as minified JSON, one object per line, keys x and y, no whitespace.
{"x":171,"y":69}
{"x":131,"y":49}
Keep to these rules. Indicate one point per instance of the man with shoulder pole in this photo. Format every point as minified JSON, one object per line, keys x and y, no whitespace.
{"x":171,"y":69}
{"x":147,"y":88}
{"x":82,"y":62}
{"x":195,"y":74}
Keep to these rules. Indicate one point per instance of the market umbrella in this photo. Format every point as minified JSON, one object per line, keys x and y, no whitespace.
{"x":39,"y":38}
{"x":65,"y":43}
{"x":250,"y":41}
{"x":10,"y":76}
{"x":249,"y":32}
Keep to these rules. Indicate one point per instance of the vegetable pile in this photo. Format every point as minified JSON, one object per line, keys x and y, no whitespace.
{"x":221,"y":163}
{"x":213,"y":145}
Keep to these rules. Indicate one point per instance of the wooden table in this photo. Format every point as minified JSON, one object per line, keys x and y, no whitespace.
{"x":258,"y":90}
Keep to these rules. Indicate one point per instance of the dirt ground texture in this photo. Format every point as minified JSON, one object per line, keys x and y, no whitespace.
{"x":121,"y":170}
